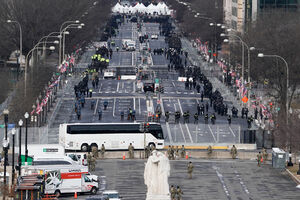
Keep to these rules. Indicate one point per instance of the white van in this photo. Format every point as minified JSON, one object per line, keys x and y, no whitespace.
{"x":53,"y":160}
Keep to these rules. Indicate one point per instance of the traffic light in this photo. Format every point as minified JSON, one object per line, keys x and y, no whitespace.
{"x":214,"y":54}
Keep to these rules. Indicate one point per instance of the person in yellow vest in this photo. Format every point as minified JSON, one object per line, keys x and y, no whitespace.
{"x":107,"y":60}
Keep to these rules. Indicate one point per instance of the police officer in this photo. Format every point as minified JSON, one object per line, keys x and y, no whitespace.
{"x":196,"y":117}
{"x":206,"y":118}
{"x":99,"y":114}
{"x":229,"y":120}
{"x":249,"y":121}
{"x":167,"y":115}
{"x":213,"y":118}
{"x":105,"y":104}
{"x":233,"y":152}
{"x":93,"y":103}
{"x":188,"y":116}
{"x":131,"y":151}
{"x":190,"y":169}
{"x":102,"y":151}
{"x":78,"y":113}
{"x":91,"y":92}
{"x":122,"y":115}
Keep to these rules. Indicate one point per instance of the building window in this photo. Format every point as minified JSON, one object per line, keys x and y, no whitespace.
{"x":234,"y":11}
{"x":234,"y":24}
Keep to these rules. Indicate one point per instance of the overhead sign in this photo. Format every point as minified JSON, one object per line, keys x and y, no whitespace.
{"x":9,"y":126}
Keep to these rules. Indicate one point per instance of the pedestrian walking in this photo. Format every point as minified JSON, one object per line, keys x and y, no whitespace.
{"x":99,"y":114}
{"x":131,"y":151}
{"x":190,"y":169}
{"x":229,"y":120}
{"x":105,"y":104}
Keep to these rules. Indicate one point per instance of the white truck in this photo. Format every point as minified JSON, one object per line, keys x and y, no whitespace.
{"x":39,"y":150}
{"x":65,"y":179}
{"x":128,"y":45}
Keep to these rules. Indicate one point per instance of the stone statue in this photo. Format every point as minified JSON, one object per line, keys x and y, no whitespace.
{"x":156,"y":175}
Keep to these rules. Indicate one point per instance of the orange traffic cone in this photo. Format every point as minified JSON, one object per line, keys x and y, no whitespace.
{"x":124,"y":156}
{"x":75,"y":195}
{"x":187,"y":156}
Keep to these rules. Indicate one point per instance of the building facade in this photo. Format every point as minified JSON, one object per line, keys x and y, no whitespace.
{"x":239,"y":12}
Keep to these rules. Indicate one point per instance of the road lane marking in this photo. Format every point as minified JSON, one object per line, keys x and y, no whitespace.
{"x":118,"y":86}
{"x":180,"y":125}
{"x":100,"y":87}
{"x":139,"y":106}
{"x":133,"y":103}
{"x":114,"y":107}
{"x":212,"y":133}
{"x":231,"y":131}
{"x":187,"y":128}
{"x":96,"y":107}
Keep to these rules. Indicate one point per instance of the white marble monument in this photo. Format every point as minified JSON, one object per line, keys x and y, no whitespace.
{"x":156,"y":175}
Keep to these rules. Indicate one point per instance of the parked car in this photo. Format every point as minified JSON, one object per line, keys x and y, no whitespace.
{"x":154,"y":37}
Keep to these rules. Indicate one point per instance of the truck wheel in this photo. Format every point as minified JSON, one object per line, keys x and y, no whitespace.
{"x":94,"y":190}
{"x":84,"y":147}
{"x":57,"y":193}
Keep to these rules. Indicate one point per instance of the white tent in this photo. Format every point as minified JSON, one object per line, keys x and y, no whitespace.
{"x":117,"y":8}
{"x":140,"y":7}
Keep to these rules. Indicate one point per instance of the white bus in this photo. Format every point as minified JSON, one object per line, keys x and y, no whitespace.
{"x":114,"y":136}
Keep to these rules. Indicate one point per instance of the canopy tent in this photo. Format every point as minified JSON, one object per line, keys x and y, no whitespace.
{"x":117,"y":8}
{"x":161,"y":8}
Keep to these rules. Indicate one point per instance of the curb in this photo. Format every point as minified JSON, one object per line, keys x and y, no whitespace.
{"x":295,"y":178}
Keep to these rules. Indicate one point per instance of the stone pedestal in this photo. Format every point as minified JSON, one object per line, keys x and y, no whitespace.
{"x":158,"y":197}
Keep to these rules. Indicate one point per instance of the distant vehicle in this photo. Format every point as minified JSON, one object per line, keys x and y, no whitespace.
{"x":109,"y":74}
{"x":144,"y":46}
{"x":149,"y":87}
{"x":154,"y":37}
{"x":40,"y":150}
{"x":53,"y":160}
{"x":65,"y":179}
{"x":112,"y":194}
{"x":130,"y":47}
{"x":79,"y":158}
{"x":115,"y":136}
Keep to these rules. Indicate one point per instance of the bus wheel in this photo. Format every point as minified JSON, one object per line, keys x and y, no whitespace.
{"x":57,"y":193}
{"x":84,"y":147}
{"x":94,"y":190}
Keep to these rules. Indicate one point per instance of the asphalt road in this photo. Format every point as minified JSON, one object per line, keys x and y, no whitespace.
{"x":212,"y":179}
{"x":124,"y":94}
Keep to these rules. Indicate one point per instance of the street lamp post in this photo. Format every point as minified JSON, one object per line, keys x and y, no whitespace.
{"x":26,"y":135}
{"x":60,"y":32}
{"x":11,"y":21}
{"x":261,"y":55}
{"x":5,"y":143}
{"x":20,"y":139}
{"x":13,"y":132}
{"x":65,"y":32}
